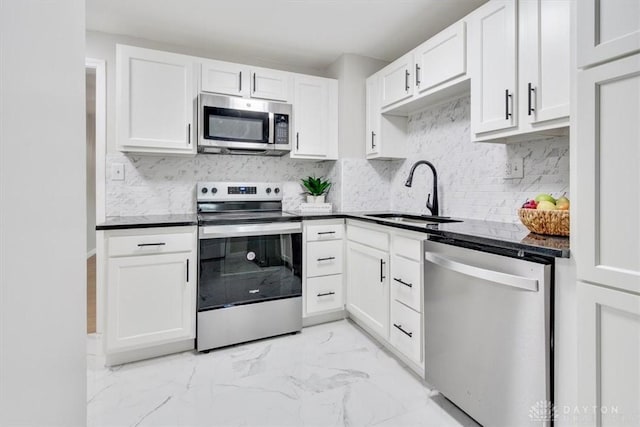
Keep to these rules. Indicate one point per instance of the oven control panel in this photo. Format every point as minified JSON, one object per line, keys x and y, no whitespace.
{"x":241,"y":191}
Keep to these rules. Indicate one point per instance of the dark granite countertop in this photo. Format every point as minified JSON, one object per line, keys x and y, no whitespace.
{"x":488,"y":233}
{"x":148,"y":221}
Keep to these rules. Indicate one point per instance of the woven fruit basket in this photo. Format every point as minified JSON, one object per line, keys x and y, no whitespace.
{"x":553,"y":223}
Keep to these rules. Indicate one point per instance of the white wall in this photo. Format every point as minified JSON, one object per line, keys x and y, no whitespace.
{"x":103,"y":46}
{"x":42,"y":214}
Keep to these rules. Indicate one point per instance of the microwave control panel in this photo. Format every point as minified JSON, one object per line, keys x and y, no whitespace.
{"x":281,"y":129}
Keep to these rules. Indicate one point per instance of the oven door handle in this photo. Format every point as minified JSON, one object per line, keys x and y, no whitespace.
{"x":481,"y":273}
{"x":240,"y":230}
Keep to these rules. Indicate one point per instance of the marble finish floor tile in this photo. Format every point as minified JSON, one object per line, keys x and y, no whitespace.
{"x":327,"y":375}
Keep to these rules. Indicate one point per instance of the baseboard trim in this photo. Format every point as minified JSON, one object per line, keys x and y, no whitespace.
{"x":91,"y":253}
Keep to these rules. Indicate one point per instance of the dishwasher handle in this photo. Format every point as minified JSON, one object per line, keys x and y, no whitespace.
{"x":481,"y":273}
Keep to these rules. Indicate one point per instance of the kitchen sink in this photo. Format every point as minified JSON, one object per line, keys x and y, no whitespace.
{"x":423,"y":220}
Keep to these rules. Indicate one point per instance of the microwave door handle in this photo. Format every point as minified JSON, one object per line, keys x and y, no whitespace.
{"x":481,"y":273}
{"x":271,"y":128}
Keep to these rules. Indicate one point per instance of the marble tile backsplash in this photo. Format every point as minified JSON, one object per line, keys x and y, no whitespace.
{"x":471,"y":181}
{"x":166,"y":185}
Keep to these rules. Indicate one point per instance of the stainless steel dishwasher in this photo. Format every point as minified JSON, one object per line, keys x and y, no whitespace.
{"x":488,"y":332}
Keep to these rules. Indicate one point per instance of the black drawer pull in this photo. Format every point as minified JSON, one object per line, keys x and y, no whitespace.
{"x":151,"y":244}
{"x":326,"y":232}
{"x":403,"y":282}
{"x":409,"y":334}
{"x":326,"y":294}
{"x":187,"y":270}
{"x":329,"y":258}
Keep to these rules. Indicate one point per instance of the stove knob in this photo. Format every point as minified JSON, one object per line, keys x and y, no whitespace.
{"x":268,"y":190}
{"x":277,"y":190}
{"x":214,"y":190}
{"x":204,"y":190}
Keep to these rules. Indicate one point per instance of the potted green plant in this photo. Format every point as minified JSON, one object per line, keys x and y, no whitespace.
{"x":316,"y":189}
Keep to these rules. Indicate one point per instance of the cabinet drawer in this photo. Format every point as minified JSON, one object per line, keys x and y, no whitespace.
{"x":407,"y":247}
{"x":325,"y":232}
{"x":366,"y":236}
{"x":406,"y":331}
{"x":324,"y":293}
{"x":150,"y":244}
{"x":324,"y":258}
{"x":405,"y":282}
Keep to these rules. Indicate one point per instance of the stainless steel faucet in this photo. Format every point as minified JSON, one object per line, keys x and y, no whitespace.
{"x":433,"y":207}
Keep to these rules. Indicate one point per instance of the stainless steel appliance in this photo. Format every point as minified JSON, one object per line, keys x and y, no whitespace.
{"x":250,"y":264}
{"x":230,"y":125}
{"x":488,"y":332}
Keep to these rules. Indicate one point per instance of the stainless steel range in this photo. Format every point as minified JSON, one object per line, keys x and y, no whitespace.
{"x":250,"y":264}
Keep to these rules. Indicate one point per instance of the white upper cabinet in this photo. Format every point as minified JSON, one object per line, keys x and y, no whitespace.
{"x":441,"y":58}
{"x":372,"y":137}
{"x":493,"y":82}
{"x":270,"y":84}
{"x":513,"y":95}
{"x":155,"y":96}
{"x":385,"y":134}
{"x":545,"y":60}
{"x":607,"y":29}
{"x":396,"y":81}
{"x":228,"y":78}
{"x":225,"y":78}
{"x":315,"y":127}
{"x":608,"y":135}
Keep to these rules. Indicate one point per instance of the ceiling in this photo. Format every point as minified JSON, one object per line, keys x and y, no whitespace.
{"x":303,"y":33}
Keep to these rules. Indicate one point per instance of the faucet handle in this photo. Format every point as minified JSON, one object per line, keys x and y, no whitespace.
{"x":429,"y":205}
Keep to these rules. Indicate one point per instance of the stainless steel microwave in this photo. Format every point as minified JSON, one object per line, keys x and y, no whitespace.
{"x":229,"y":125}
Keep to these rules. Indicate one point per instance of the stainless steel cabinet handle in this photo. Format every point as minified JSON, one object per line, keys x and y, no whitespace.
{"x":410,"y":285}
{"x":240,"y":81}
{"x":530,"y":91}
{"x":409,"y":334}
{"x":329,"y":258}
{"x":406,"y":80}
{"x":417,"y":75}
{"x":140,"y":245}
{"x":382,"y":276}
{"x":507,"y":98}
{"x":326,"y":294}
{"x":481,"y":273}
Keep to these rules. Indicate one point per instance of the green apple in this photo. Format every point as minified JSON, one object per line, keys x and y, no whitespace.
{"x":545,"y":197}
{"x":545,"y":205}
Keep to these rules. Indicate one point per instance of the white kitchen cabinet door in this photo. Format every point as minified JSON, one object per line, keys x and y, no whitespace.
{"x":396,"y":80}
{"x":544,"y":59}
{"x":151,"y":300}
{"x":608,"y":356}
{"x":368,"y":287}
{"x":608,"y":135}
{"x":441,"y":58}
{"x":607,"y":29}
{"x":225,"y":78}
{"x":270,"y":84}
{"x":372,"y":138}
{"x":155,"y":96}
{"x":494,"y":69}
{"x":314,"y":107}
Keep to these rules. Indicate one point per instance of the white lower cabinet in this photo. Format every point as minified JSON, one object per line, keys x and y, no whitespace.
{"x":385,"y":287}
{"x":151,"y":287}
{"x":609,"y":355}
{"x":323,"y":282}
{"x":368,"y":287}
{"x":406,"y":331}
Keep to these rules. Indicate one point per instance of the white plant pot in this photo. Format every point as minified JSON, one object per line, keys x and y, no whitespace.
{"x":315,"y":199}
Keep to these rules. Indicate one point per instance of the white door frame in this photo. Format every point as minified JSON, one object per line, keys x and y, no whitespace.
{"x":100,"y":66}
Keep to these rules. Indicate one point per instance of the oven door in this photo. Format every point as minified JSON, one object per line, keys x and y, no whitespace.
{"x":247,"y":264}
